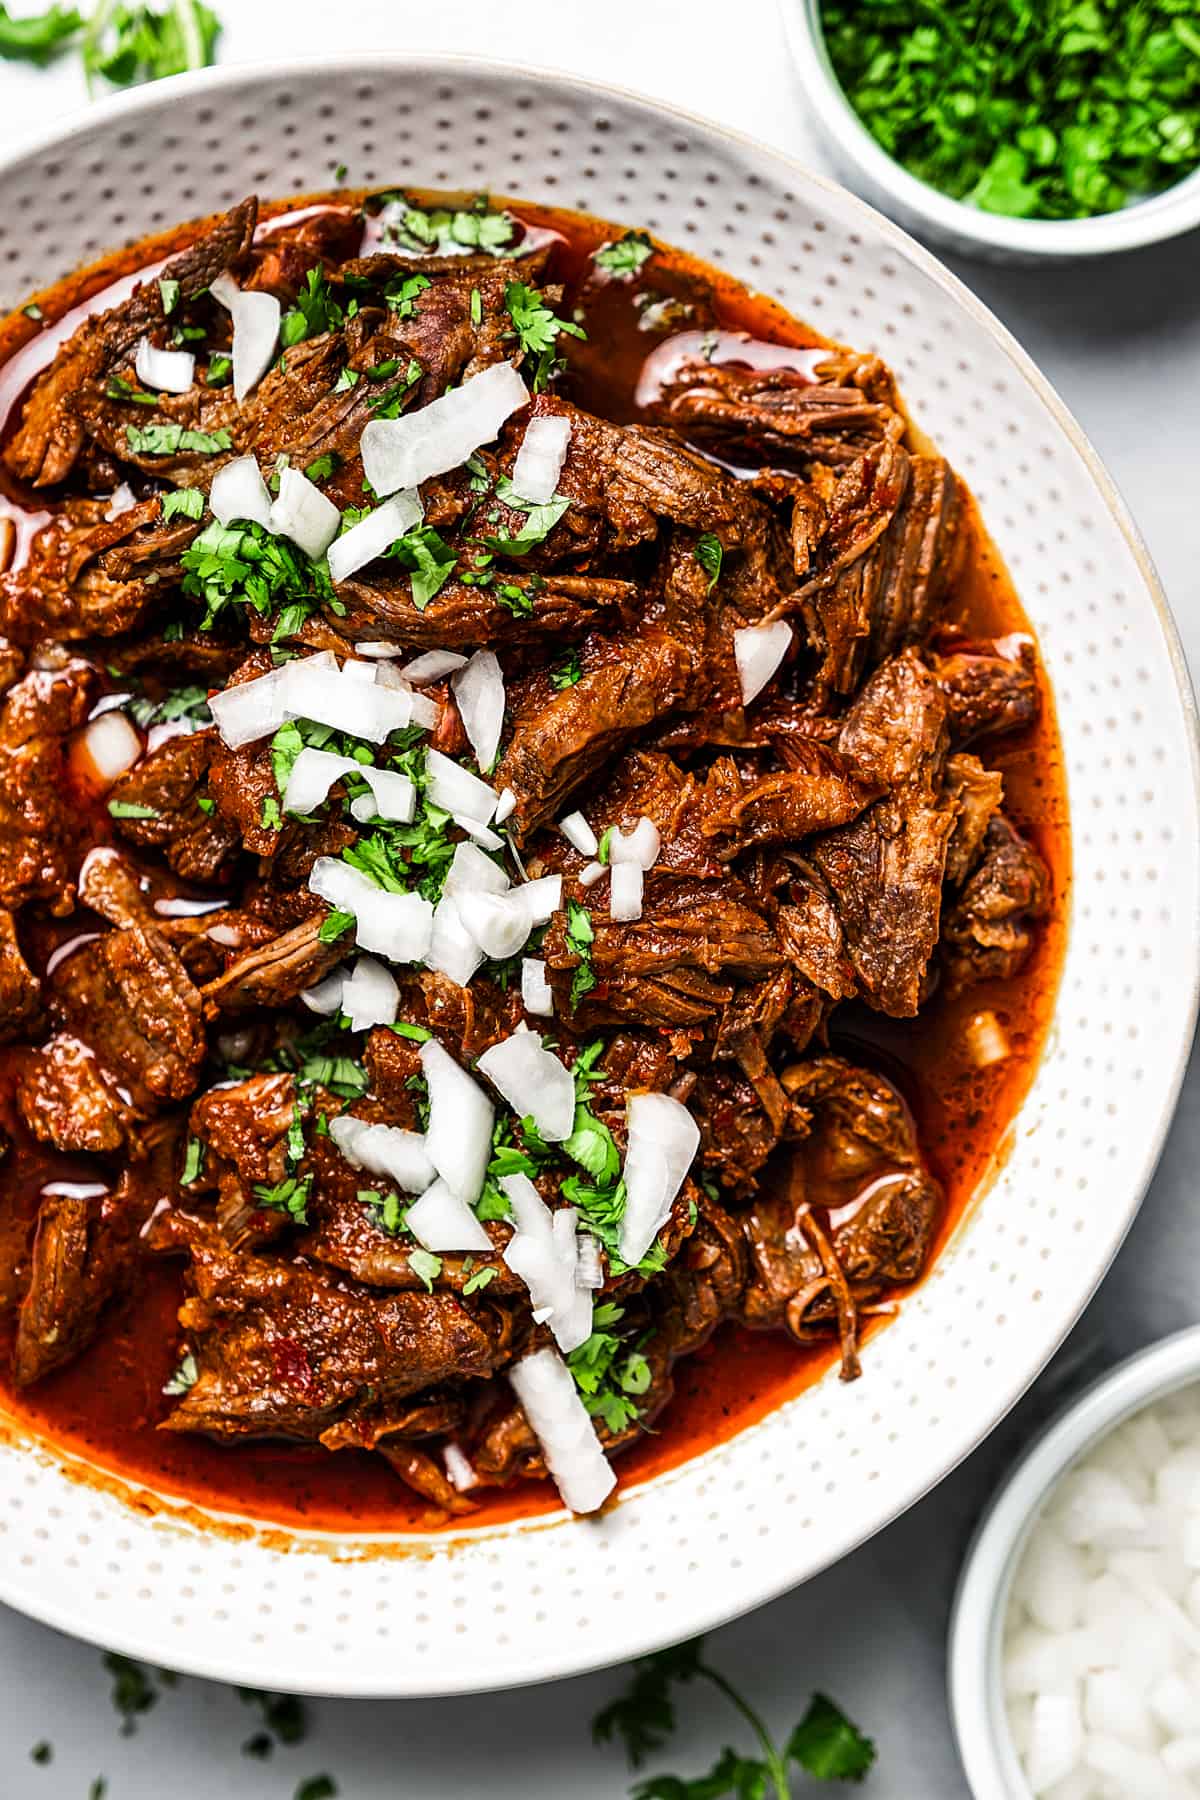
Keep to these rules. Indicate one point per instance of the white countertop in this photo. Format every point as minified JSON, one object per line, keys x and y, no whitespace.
{"x":1121,"y":341}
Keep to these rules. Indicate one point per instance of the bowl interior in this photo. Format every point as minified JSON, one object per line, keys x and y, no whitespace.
{"x":791,"y":1494}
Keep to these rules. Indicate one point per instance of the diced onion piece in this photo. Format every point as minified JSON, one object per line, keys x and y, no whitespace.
{"x":303,"y":513}
{"x":987,"y":1040}
{"x":540,"y":458}
{"x":459,"y":1135}
{"x":460,"y":1472}
{"x":641,"y":846}
{"x":378,"y":647}
{"x":375,"y":534}
{"x":403,"y":452}
{"x":385,"y":1150}
{"x":579,"y":834}
{"x":170,"y":371}
{"x":505,"y":805}
{"x":452,"y":950}
{"x":542,"y":898}
{"x":591,"y":873}
{"x":111,"y":745}
{"x":311,"y":776}
{"x":324,"y":998}
{"x":537,"y":996}
{"x":456,"y":790}
{"x":482,"y":834}
{"x":498,"y":923}
{"x":534,"y":1082}
{"x":625,"y":892}
{"x":542,"y":1251}
{"x":559,"y":1420}
{"x":431,"y":665}
{"x":589,"y":1272}
{"x":109,"y":703}
{"x":121,"y":501}
{"x":478,"y":688}
{"x":255,"y":332}
{"x":347,"y":699}
{"x":239,"y":492}
{"x":758,"y":651}
{"x":1056,"y":1740}
{"x":371,"y":996}
{"x":398,"y":926}
{"x":393,"y":796}
{"x":662,"y":1143}
{"x":471,"y":872}
{"x":251,"y":709}
{"x":442,"y":1220}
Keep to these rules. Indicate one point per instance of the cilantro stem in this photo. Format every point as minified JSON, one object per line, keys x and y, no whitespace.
{"x":775,"y":1765}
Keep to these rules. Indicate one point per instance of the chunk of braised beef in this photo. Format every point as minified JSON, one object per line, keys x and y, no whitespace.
{"x":989,"y":688}
{"x":830,"y":419}
{"x":20,"y":989}
{"x":69,"y":1100}
{"x":275,"y":973}
{"x":39,"y":822}
{"x":979,"y":795}
{"x":989,"y":931}
{"x":128,"y":995}
{"x":169,"y":784}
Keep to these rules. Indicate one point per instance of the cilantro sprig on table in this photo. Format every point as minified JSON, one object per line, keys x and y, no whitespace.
{"x":120,"y":43}
{"x":824,"y":1744}
{"x":1057,"y":109}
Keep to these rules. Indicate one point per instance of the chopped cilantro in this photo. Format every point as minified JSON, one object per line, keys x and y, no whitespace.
{"x":132,"y":809}
{"x":346,"y":380}
{"x":476,"y":307}
{"x":168,"y":293}
{"x":625,"y":256}
{"x":133,"y":1692}
{"x":478,"y":229}
{"x":429,"y":560}
{"x":284,"y":1715}
{"x":272,"y":818}
{"x":317,"y":1787}
{"x":322,"y":467}
{"x":538,"y":330}
{"x":335,"y":926}
{"x":606,"y":1371}
{"x":426,"y":1266}
{"x":539,"y":522}
{"x":401,"y":295}
{"x":190,"y":703}
{"x":127,"y":44}
{"x":580,"y":935}
{"x":36,"y":39}
{"x":604,"y":847}
{"x":289,"y":1196}
{"x":185,"y":1376}
{"x":220,"y":370}
{"x":185,"y":503}
{"x":516,"y":600}
{"x":568,"y":672}
{"x":314,"y":312}
{"x":170,"y":439}
{"x":478,"y":1280}
{"x":193,"y":1160}
{"x":420,"y":1034}
{"x":243,"y":564}
{"x":710,"y":556}
{"x":117,"y":388}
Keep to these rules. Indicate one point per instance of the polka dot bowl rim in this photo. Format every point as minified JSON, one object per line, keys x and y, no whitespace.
{"x":487,"y":1608}
{"x":974,"y":1668}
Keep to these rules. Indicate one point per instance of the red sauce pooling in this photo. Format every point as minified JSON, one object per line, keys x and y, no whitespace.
{"x":106,"y":1406}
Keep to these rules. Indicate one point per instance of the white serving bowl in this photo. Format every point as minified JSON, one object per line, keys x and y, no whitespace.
{"x":975,"y":1669}
{"x":866,"y":166}
{"x":492,"y":1607}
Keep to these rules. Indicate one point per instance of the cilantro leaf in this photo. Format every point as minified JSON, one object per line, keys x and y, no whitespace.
{"x":539,"y":522}
{"x":580,"y":935}
{"x":193,"y":1161}
{"x":538,"y":330}
{"x":132,"y":809}
{"x":426,"y":1266}
{"x":171,"y":438}
{"x":127,"y":44}
{"x":429,"y":560}
{"x":710,"y":556}
{"x":624,"y":257}
{"x":185,"y":1376}
{"x":568,"y":672}
{"x":334,"y":926}
{"x":183,"y":503}
{"x":828,"y":1745}
{"x":37,"y":38}
{"x":443,"y":230}
{"x":289,"y":1196}
{"x":315,"y":311}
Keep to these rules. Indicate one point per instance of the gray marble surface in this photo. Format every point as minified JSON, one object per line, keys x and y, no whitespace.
{"x":1121,"y":341}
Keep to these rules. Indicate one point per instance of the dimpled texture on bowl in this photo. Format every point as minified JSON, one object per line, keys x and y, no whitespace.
{"x":786,"y":1497}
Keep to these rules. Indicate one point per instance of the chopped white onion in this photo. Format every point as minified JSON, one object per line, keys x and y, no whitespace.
{"x":579,"y":834}
{"x":758,"y":651}
{"x":542,"y":1251}
{"x":498,"y":923}
{"x":370,"y":997}
{"x":542,"y":898}
{"x":403,"y":452}
{"x":478,"y":688}
{"x":378,"y":647}
{"x":641,"y":846}
{"x":349,"y":699}
{"x":255,"y":332}
{"x":398,"y":926}
{"x":324,"y":998}
{"x":431,"y":665}
{"x":393,"y":796}
{"x":482,"y":834}
{"x":375,"y":534}
{"x":461,"y":1117}
{"x":537,"y":996}
{"x":251,"y":709}
{"x":591,"y":873}
{"x":311,"y":776}
{"x":471,"y":872}
{"x":505,"y":805}
{"x":122,"y":500}
{"x":625,"y":892}
{"x":460,"y":1472}
{"x":442,"y":1220}
{"x":563,"y":1427}
{"x":300,"y":511}
{"x":386,"y":1150}
{"x":170,"y":371}
{"x":590,"y":1270}
{"x":662,"y":1143}
{"x":534,"y":1082}
{"x":111,"y":746}
{"x":239,"y":492}
{"x":456,"y":790}
{"x":540,"y":459}
{"x":109,"y":703}
{"x":452,"y":950}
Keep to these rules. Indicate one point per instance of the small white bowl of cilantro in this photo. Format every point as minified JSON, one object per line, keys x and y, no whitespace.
{"x":1014,"y":129}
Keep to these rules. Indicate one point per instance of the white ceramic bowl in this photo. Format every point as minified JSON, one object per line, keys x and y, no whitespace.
{"x":975,"y":1672}
{"x":867,"y":167}
{"x":490,"y":1608}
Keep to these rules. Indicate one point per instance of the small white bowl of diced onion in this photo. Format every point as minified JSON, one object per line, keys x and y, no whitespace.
{"x":1074,"y":1657}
